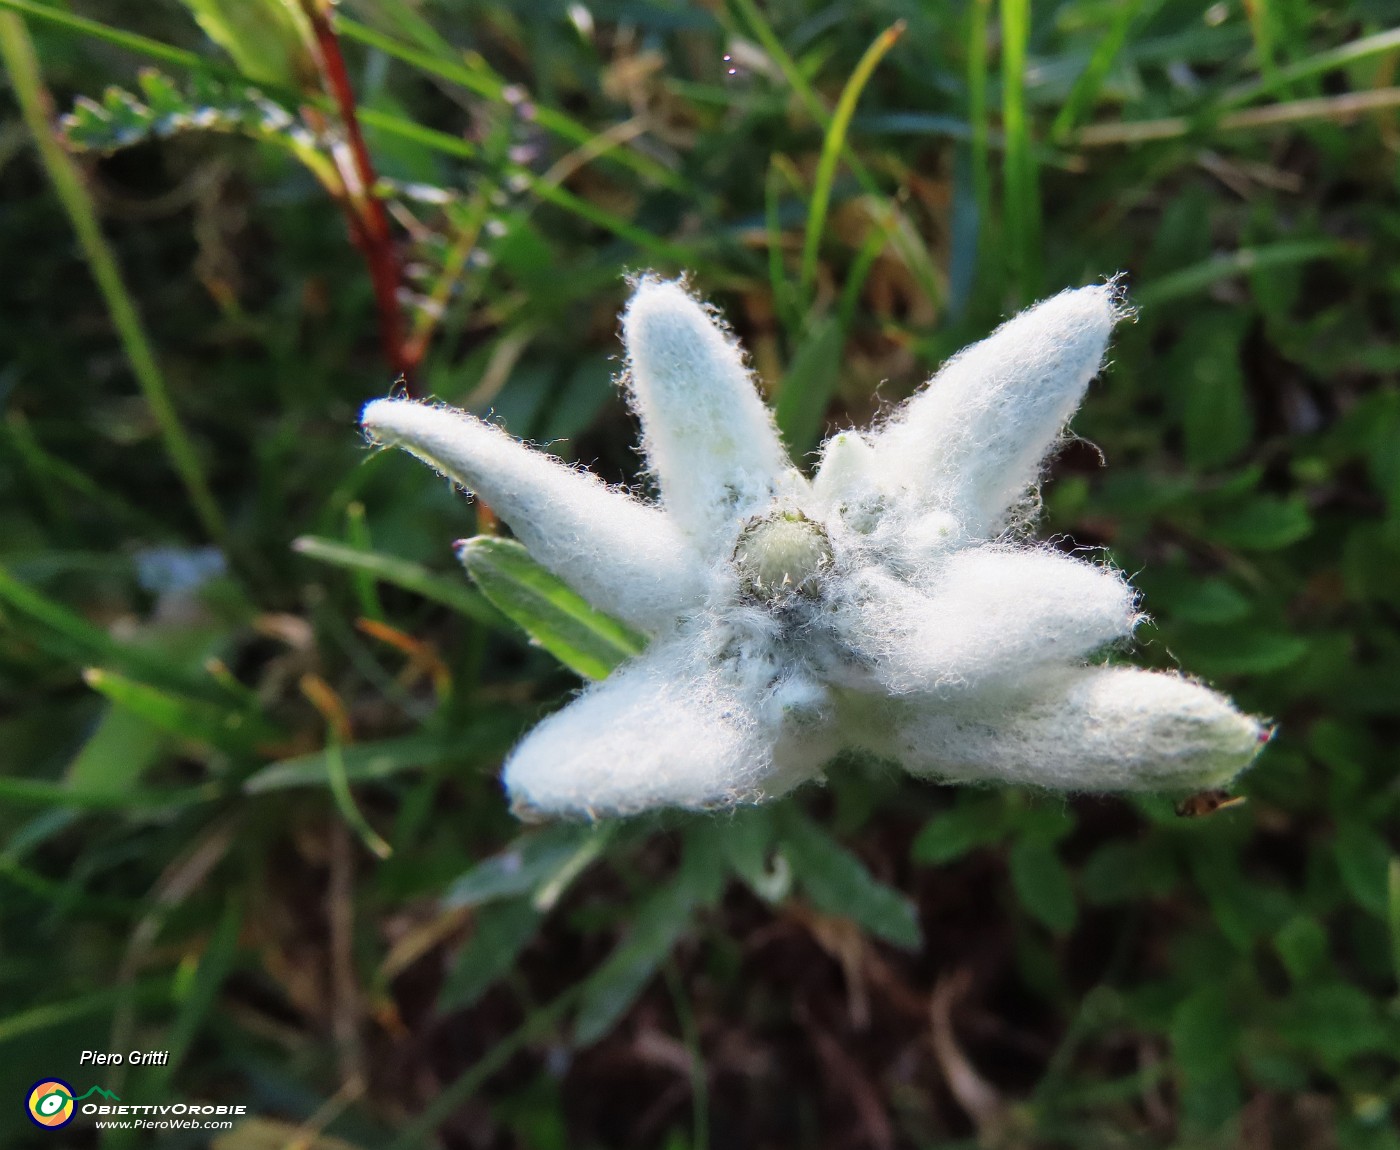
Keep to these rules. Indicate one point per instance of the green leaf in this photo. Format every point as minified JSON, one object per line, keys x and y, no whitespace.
{"x":1204,"y":1036}
{"x":747,"y":843}
{"x":977,"y":821}
{"x":403,"y":573}
{"x":160,"y":109}
{"x":500,"y":932}
{"x":1217,"y":420}
{"x":1207,"y":601}
{"x":657,"y":925}
{"x":1364,"y":861}
{"x":1263,"y":523}
{"x":486,"y":739}
{"x":1337,"y":1021}
{"x":527,"y":864}
{"x":1247,"y":649}
{"x":810,"y":381}
{"x":1302,"y":946}
{"x":838,"y":883}
{"x":1125,"y":871}
{"x":554,"y":615}
{"x":1042,"y":883}
{"x":270,"y":40}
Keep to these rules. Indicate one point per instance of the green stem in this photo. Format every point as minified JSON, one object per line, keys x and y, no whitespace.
{"x":23,"y":67}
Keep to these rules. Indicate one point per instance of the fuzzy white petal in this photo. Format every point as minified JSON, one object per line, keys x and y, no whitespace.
{"x":973,"y":441}
{"x":1093,"y":729}
{"x":707,"y":434}
{"x":989,"y":614}
{"x":670,"y":728}
{"x":624,"y":556}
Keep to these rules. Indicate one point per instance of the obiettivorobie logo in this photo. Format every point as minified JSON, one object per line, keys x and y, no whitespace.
{"x":52,"y":1104}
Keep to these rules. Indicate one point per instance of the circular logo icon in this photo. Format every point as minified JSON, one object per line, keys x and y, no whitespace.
{"x":51,"y":1103}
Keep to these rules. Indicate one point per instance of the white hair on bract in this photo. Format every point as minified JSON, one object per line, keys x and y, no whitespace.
{"x":885,"y":606}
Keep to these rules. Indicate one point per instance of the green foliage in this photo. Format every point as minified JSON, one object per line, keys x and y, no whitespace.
{"x":180,"y":752}
{"x":270,"y":40}
{"x":123,"y":118}
{"x":547,"y":609}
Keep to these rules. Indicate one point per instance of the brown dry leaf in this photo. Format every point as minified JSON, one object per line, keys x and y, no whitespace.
{"x":978,"y":1097}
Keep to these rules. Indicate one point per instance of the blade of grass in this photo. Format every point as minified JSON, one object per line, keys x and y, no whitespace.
{"x":22,"y":65}
{"x":95,"y":29}
{"x":833,"y":144}
{"x":914,"y":255}
{"x":485,"y":739}
{"x":319,"y":693}
{"x":190,"y":719}
{"x":690,"y":1036}
{"x":49,"y":1014}
{"x":1314,"y":65}
{"x":1393,"y":913}
{"x":89,"y":644}
{"x":358,"y":537}
{"x":1086,"y":87}
{"x":215,"y":964}
{"x":406,"y":574}
{"x":1342,"y":108}
{"x":49,"y":467}
{"x":444,"y":143}
{"x":48,"y":793}
{"x":1261,"y":29}
{"x":60,"y":897}
{"x":1200,"y":276}
{"x":1021,"y":195}
{"x":483,"y":81}
{"x":978,"y":112}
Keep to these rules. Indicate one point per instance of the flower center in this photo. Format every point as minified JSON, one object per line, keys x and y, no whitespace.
{"x":782,"y":555}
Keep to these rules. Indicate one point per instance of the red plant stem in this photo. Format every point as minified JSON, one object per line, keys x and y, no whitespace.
{"x":369,"y":222}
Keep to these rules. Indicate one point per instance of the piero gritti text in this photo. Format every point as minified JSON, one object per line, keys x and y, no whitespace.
{"x":130,"y":1058}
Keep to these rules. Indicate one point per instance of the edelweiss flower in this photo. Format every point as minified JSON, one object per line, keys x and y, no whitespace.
{"x":882,"y":606}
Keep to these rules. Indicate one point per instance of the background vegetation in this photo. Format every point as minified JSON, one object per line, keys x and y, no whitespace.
{"x":248,"y":804}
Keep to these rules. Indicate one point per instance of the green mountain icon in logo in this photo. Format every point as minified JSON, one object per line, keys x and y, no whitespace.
{"x":107,"y":1094}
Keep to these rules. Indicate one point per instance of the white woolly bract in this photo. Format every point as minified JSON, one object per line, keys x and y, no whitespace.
{"x":973,"y":441}
{"x":624,"y":556}
{"x":878,"y":608}
{"x":669,"y":729}
{"x":1084,"y":729}
{"x":989,"y":614}
{"x":708,"y":437}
